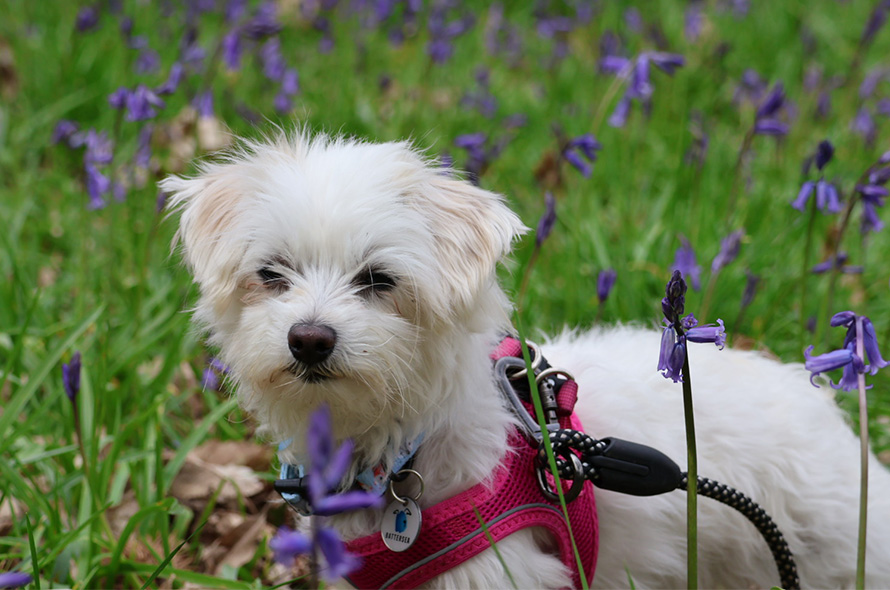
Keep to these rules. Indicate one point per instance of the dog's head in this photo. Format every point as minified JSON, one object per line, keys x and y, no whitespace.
{"x":327,"y":266}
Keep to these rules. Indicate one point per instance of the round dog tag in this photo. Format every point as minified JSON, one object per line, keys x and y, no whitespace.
{"x":401,"y":524}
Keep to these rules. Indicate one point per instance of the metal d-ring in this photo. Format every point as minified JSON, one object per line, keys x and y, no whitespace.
{"x":402,"y":475}
{"x":577,"y":480}
{"x":536,"y":360}
{"x":553,"y":371}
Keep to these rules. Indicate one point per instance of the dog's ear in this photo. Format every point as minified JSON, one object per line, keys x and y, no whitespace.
{"x":208,"y":206}
{"x":472,"y":230}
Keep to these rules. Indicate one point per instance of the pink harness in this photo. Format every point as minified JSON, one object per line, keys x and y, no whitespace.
{"x":451,"y":533}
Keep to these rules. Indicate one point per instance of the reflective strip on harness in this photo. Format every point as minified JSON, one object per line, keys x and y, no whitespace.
{"x":451,"y":533}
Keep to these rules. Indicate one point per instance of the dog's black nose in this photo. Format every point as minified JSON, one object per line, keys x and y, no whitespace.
{"x":311,"y":343}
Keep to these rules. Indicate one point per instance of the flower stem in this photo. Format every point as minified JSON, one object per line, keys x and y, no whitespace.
{"x":804,"y":272}
{"x":692,"y":480}
{"x":863,"y":466}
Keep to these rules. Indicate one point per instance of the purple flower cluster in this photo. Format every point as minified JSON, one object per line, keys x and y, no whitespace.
{"x":686,"y":263}
{"x":873,"y":192}
{"x":827,"y":196}
{"x":767,"y":119}
{"x":859,"y":330}
{"x":636,"y":72}
{"x":678,"y":330}
{"x":328,"y":465}
{"x":71,"y":376}
{"x":580,"y":152}
{"x":480,"y":153}
{"x":547,"y":220}
{"x":443,"y":31}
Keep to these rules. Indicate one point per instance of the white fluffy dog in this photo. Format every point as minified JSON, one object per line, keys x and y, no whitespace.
{"x":363,"y":276}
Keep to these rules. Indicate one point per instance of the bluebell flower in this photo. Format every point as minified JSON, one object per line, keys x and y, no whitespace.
{"x":141,"y":104}
{"x":147,"y":62}
{"x":864,"y":124}
{"x":203,"y":103}
{"x":273,"y":62}
{"x":639,"y":86}
{"x":264,"y":22}
{"x":142,"y":157}
{"x":827,"y":196}
{"x":118,"y":99}
{"x":839,"y":262}
{"x":327,"y":467}
{"x":873,"y":196}
{"x":71,"y":378}
{"x":846,"y":358}
{"x":547,"y":220}
{"x":680,"y":330}
{"x":14,"y":579}
{"x":87,"y":18}
{"x":173,"y":79}
{"x":685,"y":262}
{"x":232,"y":48}
{"x":64,"y":131}
{"x":824,"y":153}
{"x":708,"y":333}
{"x":579,"y":149}
{"x":765,"y":120}
{"x":98,"y":185}
{"x":605,"y":281}
{"x":729,"y":250}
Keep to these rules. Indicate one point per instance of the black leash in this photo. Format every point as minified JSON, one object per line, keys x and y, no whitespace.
{"x":632,"y":468}
{"x":619,"y":465}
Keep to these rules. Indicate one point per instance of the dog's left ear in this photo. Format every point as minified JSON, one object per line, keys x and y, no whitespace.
{"x":472,"y":230}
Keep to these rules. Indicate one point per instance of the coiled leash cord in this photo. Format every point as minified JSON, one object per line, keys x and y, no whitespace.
{"x":631,"y":468}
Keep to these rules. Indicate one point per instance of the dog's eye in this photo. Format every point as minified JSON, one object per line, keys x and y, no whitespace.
{"x":374,"y":280}
{"x":271,"y":278}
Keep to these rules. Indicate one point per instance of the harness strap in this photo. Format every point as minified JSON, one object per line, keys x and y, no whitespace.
{"x":451,"y":532}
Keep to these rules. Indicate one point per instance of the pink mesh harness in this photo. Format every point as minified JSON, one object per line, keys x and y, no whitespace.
{"x":451,"y":533}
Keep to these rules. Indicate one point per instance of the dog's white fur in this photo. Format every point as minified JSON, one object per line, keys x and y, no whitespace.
{"x":321,"y":211}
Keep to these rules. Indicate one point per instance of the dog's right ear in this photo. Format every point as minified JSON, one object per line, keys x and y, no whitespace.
{"x":208,"y":205}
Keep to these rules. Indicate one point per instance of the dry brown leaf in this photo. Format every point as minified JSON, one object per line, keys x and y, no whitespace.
{"x":239,"y":452}
{"x":248,"y":537}
{"x":199,"y":480}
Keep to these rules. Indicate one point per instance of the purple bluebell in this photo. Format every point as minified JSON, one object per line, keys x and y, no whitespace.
{"x":118,"y":99}
{"x":142,"y":103}
{"x":875,"y":22}
{"x":605,"y":281}
{"x":328,"y":465}
{"x":672,"y":355}
{"x":99,"y":148}
{"x":547,"y":220}
{"x":772,"y":127}
{"x":824,"y":153}
{"x":667,"y":62}
{"x":147,"y":62}
{"x":551,"y":26}
{"x":751,"y":283}
{"x":750,"y":88}
{"x":729,"y":250}
{"x":213,"y":374}
{"x":873,"y":196}
{"x":864,"y":124}
{"x":87,"y":18}
{"x":827,"y":196}
{"x":64,"y":131}
{"x":685,"y":262}
{"x":639,"y":85}
{"x":235,"y":10}
{"x":232,"y":48}
{"x":174,"y":77}
{"x":708,"y":334}
{"x":692,"y":22}
{"x":273,"y":62}
{"x":618,"y":118}
{"x":839,"y":262}
{"x":14,"y":579}
{"x":98,"y":185}
{"x":480,"y":153}
{"x":203,"y":103}
{"x":191,"y":54}
{"x":774,"y":101}
{"x":679,"y":330}
{"x":264,"y":22}
{"x":443,"y":32}
{"x":871,"y":81}
{"x":633,"y":20}
{"x":287,"y":544}
{"x":71,"y":376}
{"x":858,"y":327}
{"x":142,"y":157}
{"x":339,"y":561}
{"x":581,"y":150}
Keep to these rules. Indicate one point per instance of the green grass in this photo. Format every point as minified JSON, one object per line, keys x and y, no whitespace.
{"x":105,"y":282}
